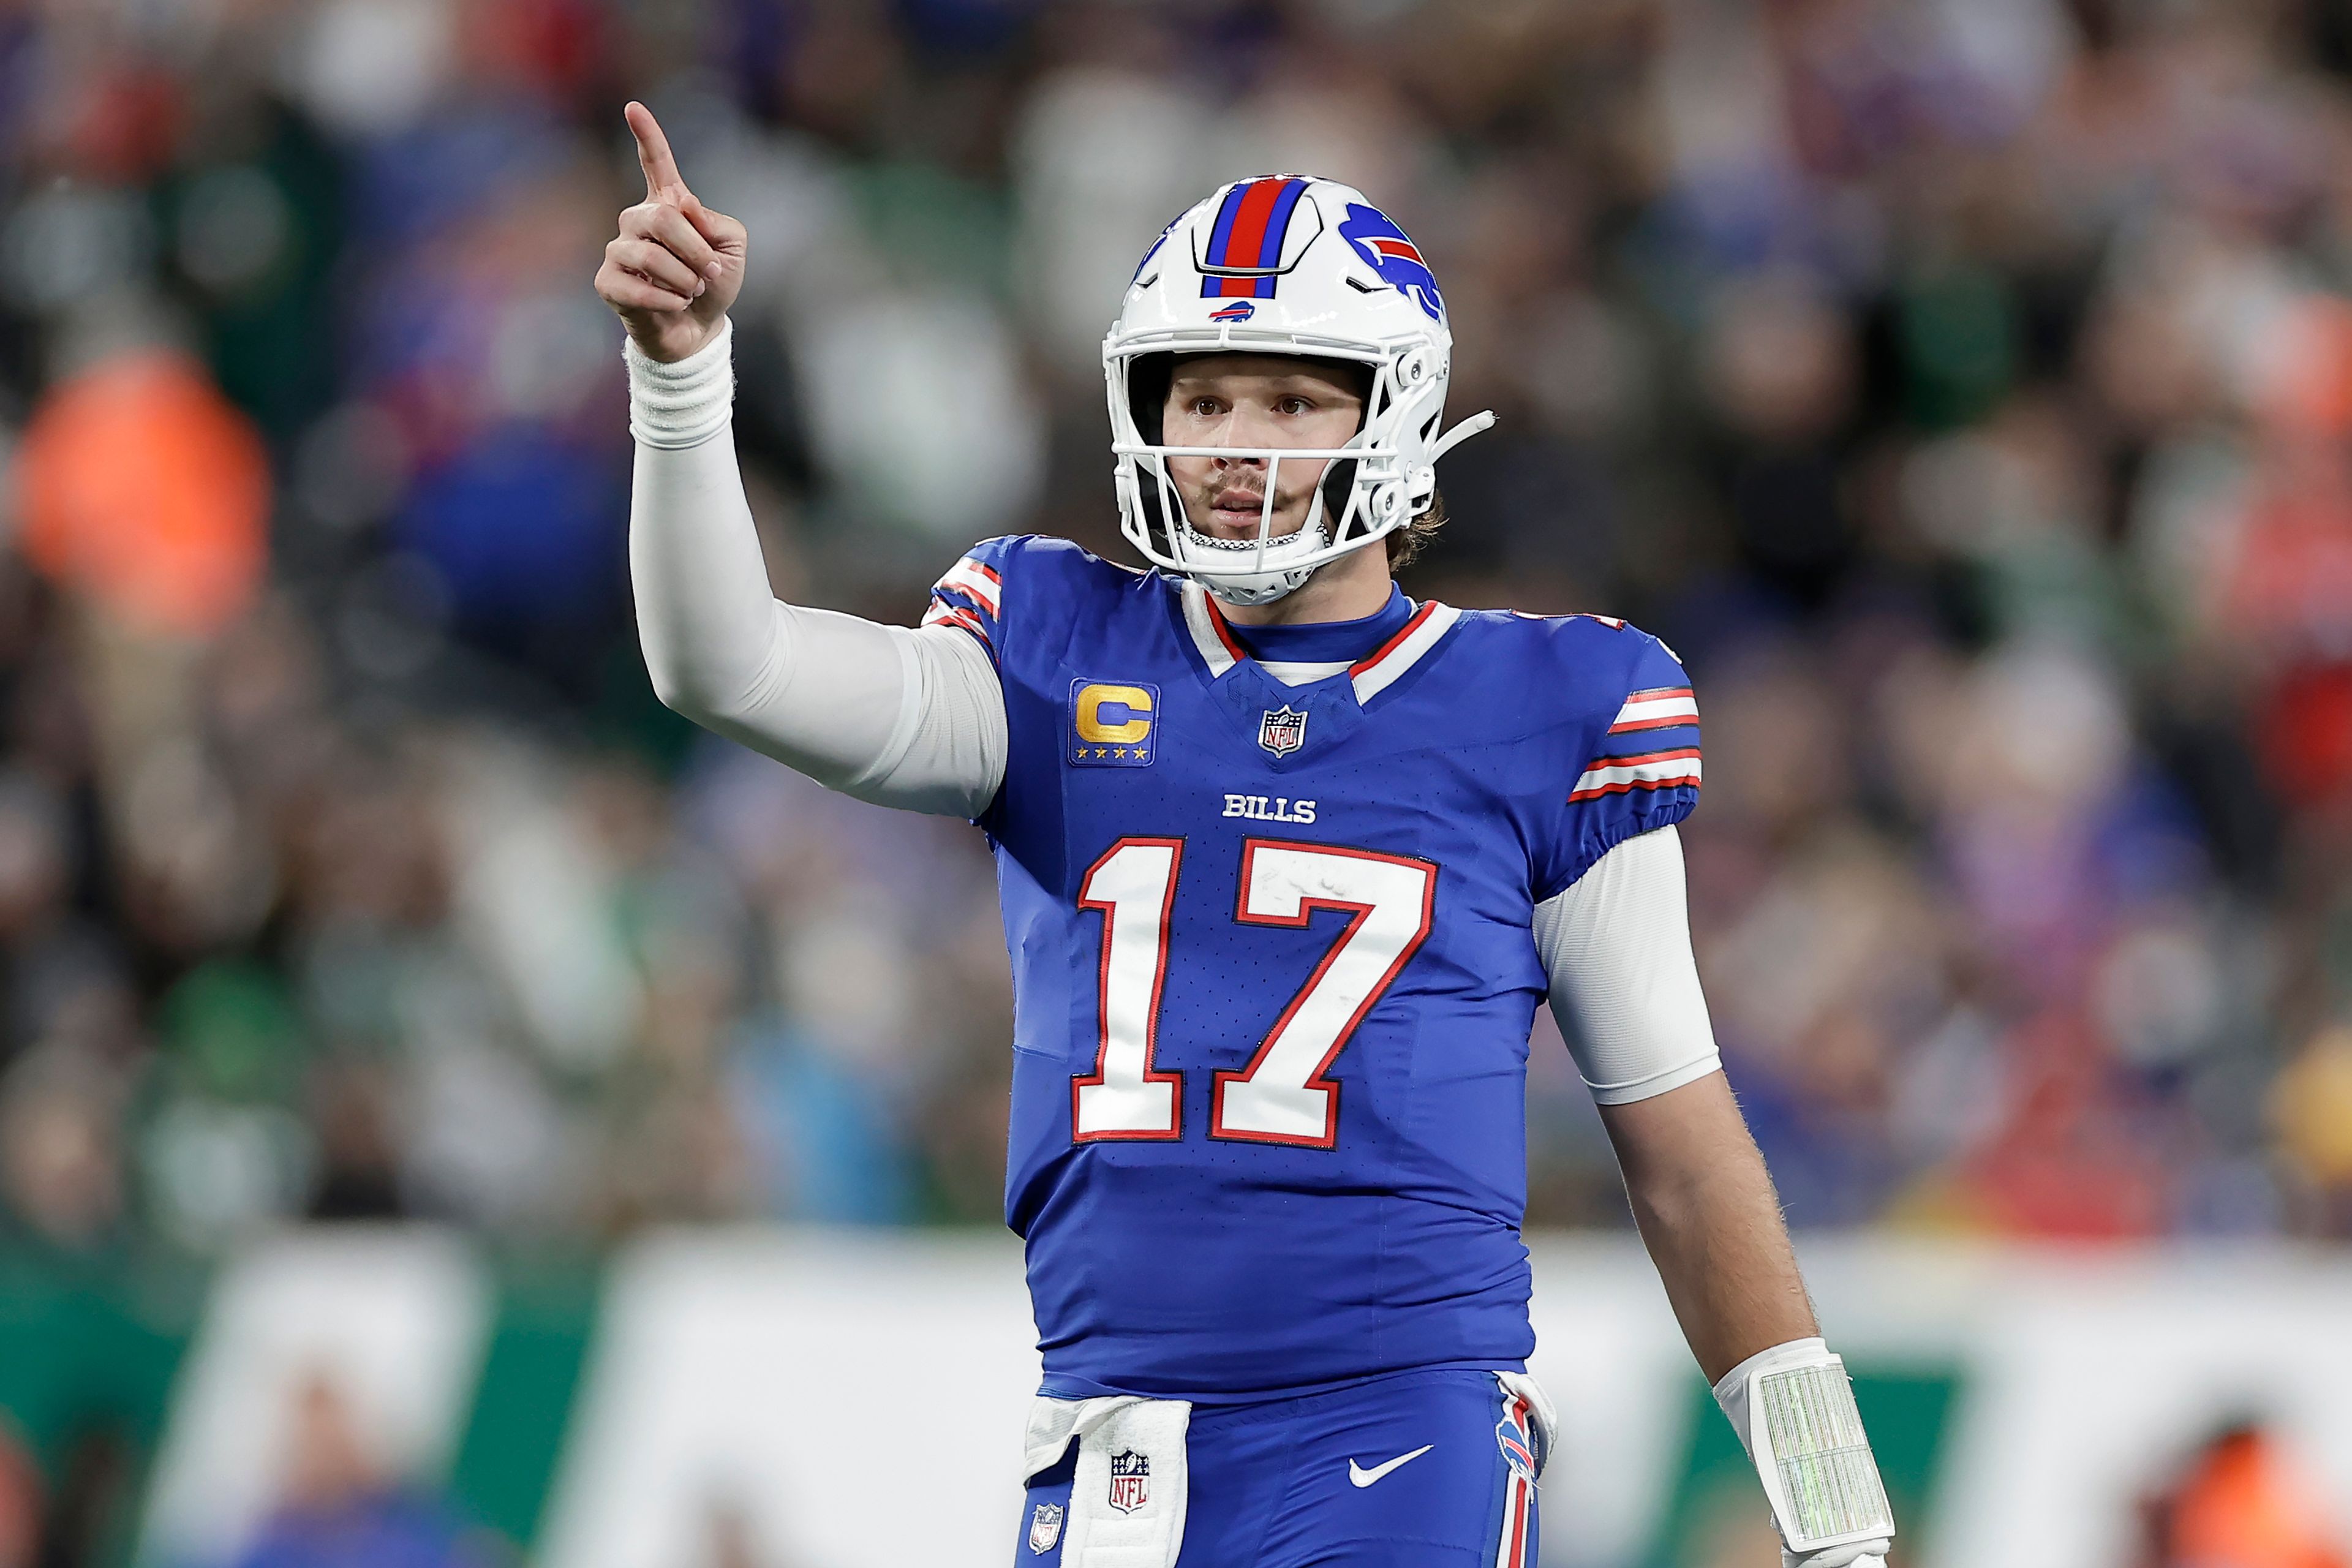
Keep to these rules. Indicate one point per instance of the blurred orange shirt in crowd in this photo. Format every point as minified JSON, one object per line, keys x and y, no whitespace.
{"x":142,"y":487}
{"x":2242,"y":1505}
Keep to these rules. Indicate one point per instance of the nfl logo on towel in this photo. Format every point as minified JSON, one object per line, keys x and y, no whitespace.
{"x":1044,"y":1528}
{"x":1131,"y":1481}
{"x":1282,"y":729}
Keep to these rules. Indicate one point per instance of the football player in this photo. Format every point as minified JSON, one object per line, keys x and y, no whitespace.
{"x":1288,"y":862}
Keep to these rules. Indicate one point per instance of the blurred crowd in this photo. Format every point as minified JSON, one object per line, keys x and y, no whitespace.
{"x":1964,"y":387}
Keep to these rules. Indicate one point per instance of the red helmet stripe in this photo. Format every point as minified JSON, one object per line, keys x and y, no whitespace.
{"x":1249,"y":224}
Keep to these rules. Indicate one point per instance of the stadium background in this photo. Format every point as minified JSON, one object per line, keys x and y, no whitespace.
{"x":1964,"y":388}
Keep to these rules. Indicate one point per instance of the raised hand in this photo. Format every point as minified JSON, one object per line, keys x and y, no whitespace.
{"x":676,"y":264}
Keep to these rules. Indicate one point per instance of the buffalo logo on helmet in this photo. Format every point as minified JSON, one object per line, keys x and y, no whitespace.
{"x":1044,"y":1528}
{"x":1131,"y":1481}
{"x":1282,"y":729}
{"x":1387,"y":251}
{"x":1155,"y":247}
{"x":1239,"y":311}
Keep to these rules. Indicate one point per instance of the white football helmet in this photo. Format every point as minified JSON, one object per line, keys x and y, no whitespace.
{"x":1283,"y":264}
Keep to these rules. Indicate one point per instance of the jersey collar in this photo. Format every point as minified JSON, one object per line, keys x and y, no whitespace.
{"x":1377,"y":670}
{"x":1336,"y":642}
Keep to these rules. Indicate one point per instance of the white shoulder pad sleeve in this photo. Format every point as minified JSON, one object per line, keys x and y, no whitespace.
{"x":890,"y":714}
{"x":1616,"y":946}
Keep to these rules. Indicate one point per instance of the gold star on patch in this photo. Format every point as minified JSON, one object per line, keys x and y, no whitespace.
{"x":1101,"y":752}
{"x":1121,"y":752}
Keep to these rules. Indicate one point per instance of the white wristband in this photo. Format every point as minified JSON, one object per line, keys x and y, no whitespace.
{"x":1793,"y":1408}
{"x":1731,"y":1388}
{"x":684,"y":405}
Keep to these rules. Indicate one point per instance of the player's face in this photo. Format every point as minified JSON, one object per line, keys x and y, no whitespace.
{"x":1262,"y":400}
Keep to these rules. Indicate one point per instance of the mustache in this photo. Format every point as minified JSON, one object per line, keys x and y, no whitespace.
{"x":1241,"y":494}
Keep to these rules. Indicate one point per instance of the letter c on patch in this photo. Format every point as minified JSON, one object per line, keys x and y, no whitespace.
{"x":1114,"y":715}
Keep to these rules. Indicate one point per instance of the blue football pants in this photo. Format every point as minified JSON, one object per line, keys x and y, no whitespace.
{"x":1314,"y":1482}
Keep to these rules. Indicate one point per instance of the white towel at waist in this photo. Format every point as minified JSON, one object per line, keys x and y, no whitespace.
{"x":1127,"y":1497}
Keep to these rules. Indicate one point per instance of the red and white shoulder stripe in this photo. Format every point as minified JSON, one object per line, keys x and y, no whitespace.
{"x":969,"y":596}
{"x":1647,"y":770}
{"x":1662,"y":708}
{"x":976,"y":581}
{"x":944,"y":614}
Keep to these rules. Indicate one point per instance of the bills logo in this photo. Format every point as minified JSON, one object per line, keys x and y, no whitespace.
{"x":1270,"y":808}
{"x":1044,"y":1528}
{"x":1239,"y":311}
{"x":1282,"y":729}
{"x":1131,"y":1481}
{"x":1155,"y":245}
{"x":1515,"y":1436}
{"x":1387,"y":251}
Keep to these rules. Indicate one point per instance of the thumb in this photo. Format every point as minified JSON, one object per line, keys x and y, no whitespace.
{"x":724,"y":233}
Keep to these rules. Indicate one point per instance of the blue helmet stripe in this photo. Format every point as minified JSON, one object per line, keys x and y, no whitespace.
{"x":1278,"y":225}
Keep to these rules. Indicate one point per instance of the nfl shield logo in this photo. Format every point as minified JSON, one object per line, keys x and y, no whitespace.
{"x":1282,"y":729}
{"x":1131,"y":1481}
{"x":1044,"y":1528}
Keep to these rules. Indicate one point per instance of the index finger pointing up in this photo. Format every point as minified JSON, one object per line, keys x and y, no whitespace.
{"x":653,"y":153}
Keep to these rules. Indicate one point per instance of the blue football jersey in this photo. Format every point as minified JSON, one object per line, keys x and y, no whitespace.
{"x":1273,"y":969}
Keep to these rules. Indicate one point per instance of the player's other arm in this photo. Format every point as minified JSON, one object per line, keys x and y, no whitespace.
{"x":1712,"y":1222}
{"x":910,"y":718}
{"x":1625,"y":987}
{"x":1708,"y":1214}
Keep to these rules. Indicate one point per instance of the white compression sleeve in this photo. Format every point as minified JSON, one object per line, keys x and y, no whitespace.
{"x":1624,"y":986}
{"x":891,"y":714}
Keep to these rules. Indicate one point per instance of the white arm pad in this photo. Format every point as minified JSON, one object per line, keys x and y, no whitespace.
{"x":674,"y":406}
{"x":1624,"y":987}
{"x":1792,"y":1406}
{"x":896,"y":715}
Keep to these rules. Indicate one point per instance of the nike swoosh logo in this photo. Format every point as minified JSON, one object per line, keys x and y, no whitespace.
{"x":1364,"y":1477}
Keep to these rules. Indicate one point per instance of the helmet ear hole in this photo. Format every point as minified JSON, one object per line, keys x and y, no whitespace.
{"x":1338,"y":482}
{"x":1149,"y":378}
{"x":1151,"y":503}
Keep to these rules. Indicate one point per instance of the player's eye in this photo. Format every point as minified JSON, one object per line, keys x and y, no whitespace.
{"x":1294,"y":405}
{"x":1205,"y":408}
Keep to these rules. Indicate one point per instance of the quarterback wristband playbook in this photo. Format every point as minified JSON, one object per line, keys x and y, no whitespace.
{"x":1793,"y":1408}
{"x":684,"y":405}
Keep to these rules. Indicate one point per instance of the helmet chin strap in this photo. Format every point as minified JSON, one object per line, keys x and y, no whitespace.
{"x":1264,"y":585}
